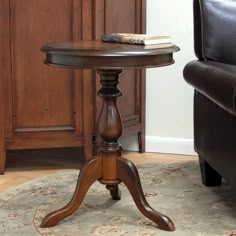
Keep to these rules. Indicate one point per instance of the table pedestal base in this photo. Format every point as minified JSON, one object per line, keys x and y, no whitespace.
{"x":109,"y":167}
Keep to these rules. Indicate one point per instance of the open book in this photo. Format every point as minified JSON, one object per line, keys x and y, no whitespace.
{"x":143,"y":39}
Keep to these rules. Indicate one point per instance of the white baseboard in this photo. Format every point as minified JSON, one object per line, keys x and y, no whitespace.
{"x":161,"y":145}
{"x":170,"y":145}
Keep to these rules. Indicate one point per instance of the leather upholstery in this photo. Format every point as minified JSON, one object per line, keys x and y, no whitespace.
{"x":215,"y":137}
{"x":209,"y":78}
{"x":213,"y":77}
{"x":214,"y":30}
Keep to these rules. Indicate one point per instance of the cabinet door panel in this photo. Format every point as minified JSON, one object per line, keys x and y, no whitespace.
{"x":121,"y":16}
{"x":43,"y":97}
{"x":125,"y":13}
{"x":129,"y":102}
{"x":124,"y":16}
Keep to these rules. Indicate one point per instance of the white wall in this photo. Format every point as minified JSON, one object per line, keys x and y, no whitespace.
{"x":169,"y":99}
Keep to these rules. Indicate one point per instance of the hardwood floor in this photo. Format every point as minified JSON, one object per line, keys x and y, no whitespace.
{"x":25,"y":165}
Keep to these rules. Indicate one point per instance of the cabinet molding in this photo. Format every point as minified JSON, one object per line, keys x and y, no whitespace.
{"x":45,"y":107}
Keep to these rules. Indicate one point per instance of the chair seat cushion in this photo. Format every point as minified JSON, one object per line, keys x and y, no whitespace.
{"x":215,"y":80}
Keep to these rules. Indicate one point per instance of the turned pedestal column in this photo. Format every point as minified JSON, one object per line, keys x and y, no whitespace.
{"x":108,"y":167}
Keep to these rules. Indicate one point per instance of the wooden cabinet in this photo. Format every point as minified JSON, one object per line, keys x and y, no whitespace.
{"x":44,"y":107}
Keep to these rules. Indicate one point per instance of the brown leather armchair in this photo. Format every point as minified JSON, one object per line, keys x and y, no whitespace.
{"x":213,"y":77}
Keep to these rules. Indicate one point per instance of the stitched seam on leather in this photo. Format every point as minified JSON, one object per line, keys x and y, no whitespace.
{"x":202,"y":34}
{"x":234,"y":95}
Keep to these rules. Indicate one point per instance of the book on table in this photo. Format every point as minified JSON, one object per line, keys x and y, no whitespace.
{"x":141,"y":39}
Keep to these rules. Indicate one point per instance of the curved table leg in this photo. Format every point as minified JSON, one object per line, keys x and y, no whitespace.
{"x":128,"y":174}
{"x":109,"y":167}
{"x":90,"y":172}
{"x":114,"y":191}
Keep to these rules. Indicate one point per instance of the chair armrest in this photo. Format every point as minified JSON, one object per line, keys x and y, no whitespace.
{"x":215,"y":80}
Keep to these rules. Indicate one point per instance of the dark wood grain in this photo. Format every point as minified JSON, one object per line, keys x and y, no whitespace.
{"x":110,"y":168}
{"x":45,"y":107}
{"x":5,"y":76}
{"x":88,"y":175}
{"x":97,"y":48}
{"x":132,"y":82}
{"x":114,"y":191}
{"x":99,"y":55}
{"x":127,"y":173}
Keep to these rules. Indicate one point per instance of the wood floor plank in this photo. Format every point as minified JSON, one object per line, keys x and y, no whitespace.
{"x":26,"y":165}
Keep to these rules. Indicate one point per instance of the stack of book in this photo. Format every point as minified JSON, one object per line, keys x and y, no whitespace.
{"x":161,"y":41}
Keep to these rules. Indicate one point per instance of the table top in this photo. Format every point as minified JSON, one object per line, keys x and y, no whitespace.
{"x":100,"y":55}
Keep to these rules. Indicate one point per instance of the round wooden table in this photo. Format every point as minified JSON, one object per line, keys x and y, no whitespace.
{"x":109,"y":167}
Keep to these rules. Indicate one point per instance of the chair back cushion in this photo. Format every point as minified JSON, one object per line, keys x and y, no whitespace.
{"x":215,"y":30}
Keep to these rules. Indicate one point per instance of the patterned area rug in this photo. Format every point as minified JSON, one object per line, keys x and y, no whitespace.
{"x":173,"y":189}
